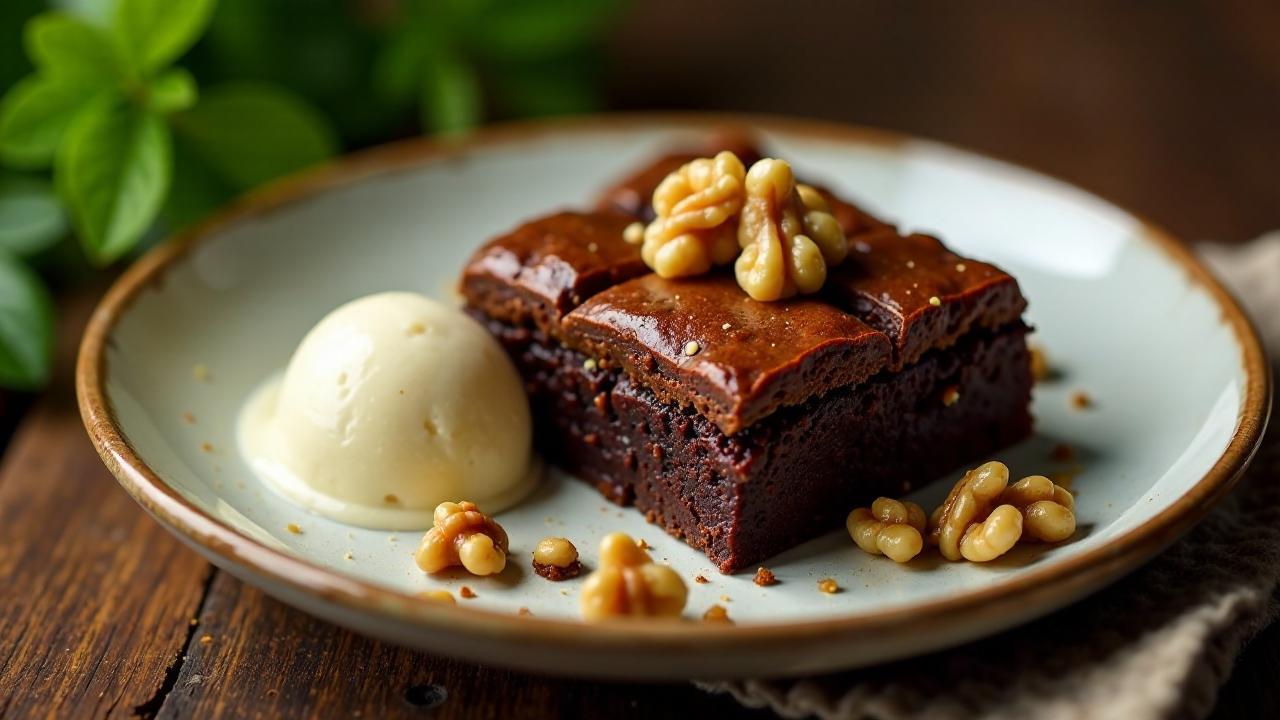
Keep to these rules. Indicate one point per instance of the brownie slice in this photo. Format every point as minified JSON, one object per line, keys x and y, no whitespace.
{"x":748,"y":427}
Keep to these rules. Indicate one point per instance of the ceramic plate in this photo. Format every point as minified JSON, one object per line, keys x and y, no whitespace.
{"x":1126,"y":315}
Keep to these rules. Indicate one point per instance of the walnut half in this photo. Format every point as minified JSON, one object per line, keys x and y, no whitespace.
{"x":960,"y":527}
{"x":629,"y":584}
{"x":463,"y":536}
{"x":787,"y":234}
{"x":696,"y":219}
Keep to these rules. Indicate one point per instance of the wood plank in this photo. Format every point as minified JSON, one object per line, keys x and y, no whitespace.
{"x":95,"y":598}
{"x":253,"y":657}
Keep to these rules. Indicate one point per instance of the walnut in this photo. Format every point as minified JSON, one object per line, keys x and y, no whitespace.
{"x":787,"y":234}
{"x":1047,"y":509}
{"x":969,"y":524}
{"x":891,"y":527}
{"x":555,"y":558}
{"x":696,"y":219}
{"x":463,"y":536}
{"x":629,"y":584}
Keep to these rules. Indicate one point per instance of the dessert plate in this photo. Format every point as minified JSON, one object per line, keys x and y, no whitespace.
{"x":1175,"y":373}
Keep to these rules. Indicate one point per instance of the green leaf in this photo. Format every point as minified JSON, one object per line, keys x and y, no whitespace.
{"x":72,"y":51}
{"x":451,"y":99}
{"x":113,"y":171}
{"x":154,"y":33}
{"x":252,"y":133}
{"x":174,"y":90}
{"x":26,"y":327}
{"x":31,"y":217}
{"x":33,"y":116}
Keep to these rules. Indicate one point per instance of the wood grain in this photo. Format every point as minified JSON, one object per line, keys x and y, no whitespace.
{"x":253,"y":657}
{"x":95,"y":598}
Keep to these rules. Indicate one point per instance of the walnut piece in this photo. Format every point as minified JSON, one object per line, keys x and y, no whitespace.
{"x":1048,"y":510}
{"x":787,"y":234}
{"x":629,"y":584}
{"x":463,"y":536}
{"x":696,"y":219}
{"x":555,"y":558}
{"x":969,"y":524}
{"x":890,"y":527}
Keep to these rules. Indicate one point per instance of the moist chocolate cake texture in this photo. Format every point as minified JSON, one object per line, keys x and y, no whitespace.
{"x":743,"y":427}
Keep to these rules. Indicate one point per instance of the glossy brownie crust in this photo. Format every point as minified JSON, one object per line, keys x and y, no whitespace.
{"x":745,"y":497}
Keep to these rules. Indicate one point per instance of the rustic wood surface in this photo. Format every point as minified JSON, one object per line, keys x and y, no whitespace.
{"x":1172,"y":107}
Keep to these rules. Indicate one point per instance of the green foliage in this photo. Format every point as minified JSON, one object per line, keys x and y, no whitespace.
{"x":31,"y":218}
{"x":447,"y":50}
{"x":113,"y":172}
{"x":130,"y":118}
{"x":154,"y":33}
{"x":26,"y":327}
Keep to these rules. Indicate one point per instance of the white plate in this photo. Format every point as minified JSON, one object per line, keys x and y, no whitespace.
{"x":1126,"y":315}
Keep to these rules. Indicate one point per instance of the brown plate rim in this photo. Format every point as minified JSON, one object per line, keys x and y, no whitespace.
{"x":1076,"y":575}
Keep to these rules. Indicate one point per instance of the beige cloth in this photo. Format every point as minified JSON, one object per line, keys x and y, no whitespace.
{"x":1157,"y":644}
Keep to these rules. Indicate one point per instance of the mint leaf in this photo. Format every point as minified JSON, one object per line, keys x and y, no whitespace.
{"x":173,"y":91}
{"x":251,"y":133}
{"x":72,"y":51}
{"x":451,"y":98}
{"x":26,"y":327}
{"x":113,"y":171}
{"x":33,"y":116}
{"x":31,"y":217}
{"x":154,"y":33}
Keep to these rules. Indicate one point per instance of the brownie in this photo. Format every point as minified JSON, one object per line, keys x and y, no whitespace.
{"x":746,"y":427}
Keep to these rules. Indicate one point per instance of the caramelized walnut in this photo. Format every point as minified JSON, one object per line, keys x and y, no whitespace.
{"x":629,"y":584}
{"x":556,"y":558}
{"x":969,"y":524}
{"x":788,"y":236}
{"x":696,"y":219}
{"x":891,"y":527}
{"x":1047,"y":509}
{"x":463,"y":536}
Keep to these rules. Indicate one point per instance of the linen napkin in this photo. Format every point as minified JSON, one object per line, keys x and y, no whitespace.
{"x":1157,"y":644}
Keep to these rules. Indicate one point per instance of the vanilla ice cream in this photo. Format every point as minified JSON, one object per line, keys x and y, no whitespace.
{"x":392,"y":404}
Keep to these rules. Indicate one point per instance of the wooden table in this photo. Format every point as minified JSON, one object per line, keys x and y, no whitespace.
{"x":1176,"y":113}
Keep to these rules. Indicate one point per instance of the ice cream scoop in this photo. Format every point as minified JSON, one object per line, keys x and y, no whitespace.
{"x":392,"y":404}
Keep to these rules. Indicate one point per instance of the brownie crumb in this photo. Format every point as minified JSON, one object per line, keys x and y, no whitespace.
{"x":764,"y":577}
{"x":828,"y":586}
{"x":640,"y":543}
{"x":1080,"y":400}
{"x":1040,"y":369}
{"x":950,"y":396}
{"x":1062,"y":453}
{"x":701,"y":579}
{"x":524,"y":611}
{"x":717,"y":613}
{"x":555,"y":573}
{"x":466,"y":592}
